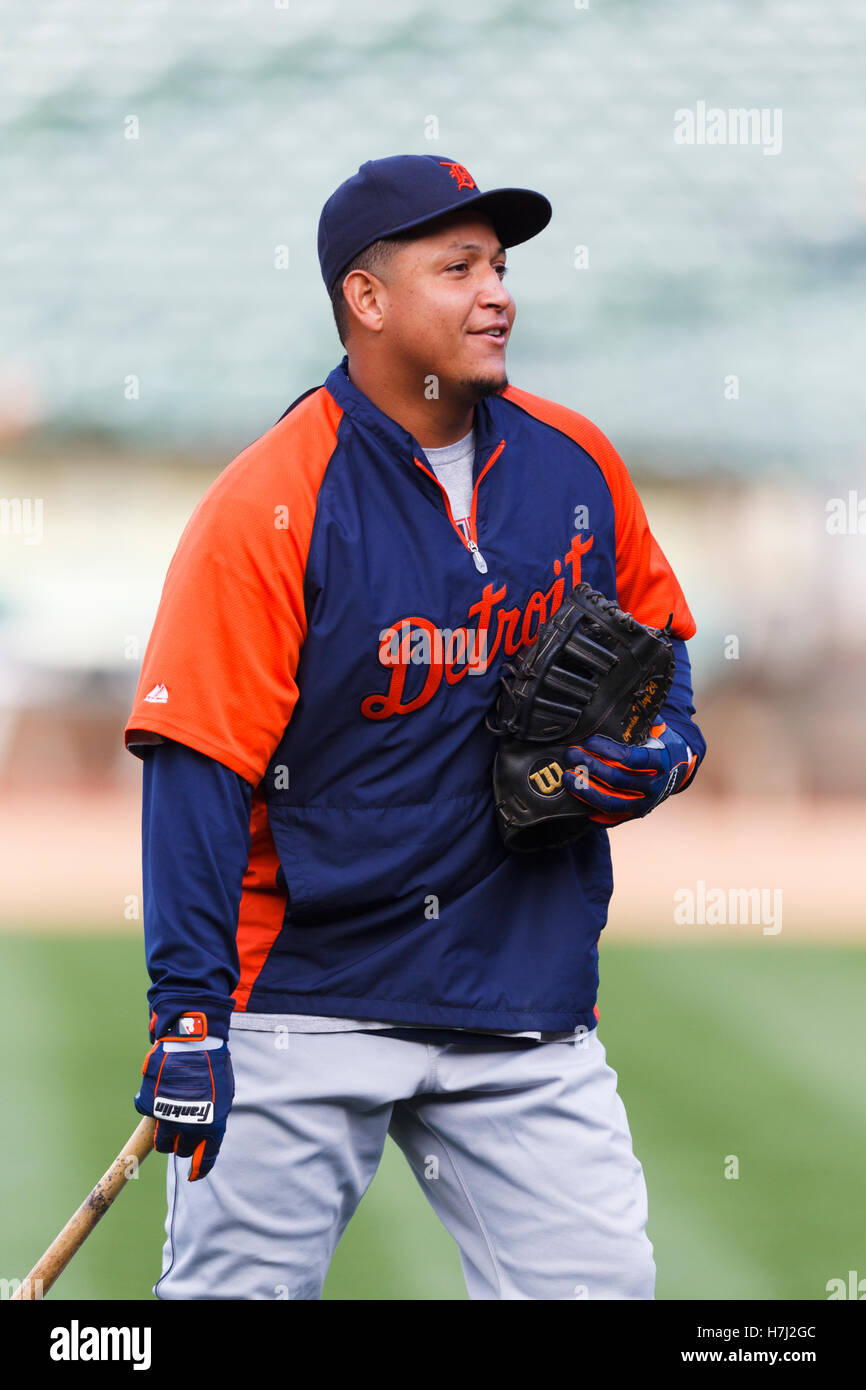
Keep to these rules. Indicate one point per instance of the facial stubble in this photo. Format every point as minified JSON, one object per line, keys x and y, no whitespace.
{"x":480,"y":386}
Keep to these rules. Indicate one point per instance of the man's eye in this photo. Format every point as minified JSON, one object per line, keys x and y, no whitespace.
{"x":464,"y":265}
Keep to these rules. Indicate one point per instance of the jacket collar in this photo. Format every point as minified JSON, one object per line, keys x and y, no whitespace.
{"x":488,"y":419}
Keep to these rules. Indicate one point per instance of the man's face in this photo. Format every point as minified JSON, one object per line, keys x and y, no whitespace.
{"x":446,"y":309}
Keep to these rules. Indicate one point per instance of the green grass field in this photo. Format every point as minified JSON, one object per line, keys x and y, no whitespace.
{"x":754,"y":1051}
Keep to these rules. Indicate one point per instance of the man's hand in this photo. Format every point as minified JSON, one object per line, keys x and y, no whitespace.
{"x":188,"y":1088}
{"x":621,"y":781}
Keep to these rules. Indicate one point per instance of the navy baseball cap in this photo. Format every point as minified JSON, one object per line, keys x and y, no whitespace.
{"x":405,"y":191}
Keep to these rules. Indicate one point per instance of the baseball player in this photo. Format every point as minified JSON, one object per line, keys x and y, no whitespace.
{"x":339,"y":944}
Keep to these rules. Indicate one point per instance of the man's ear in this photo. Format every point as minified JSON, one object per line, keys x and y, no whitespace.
{"x":365,"y":296}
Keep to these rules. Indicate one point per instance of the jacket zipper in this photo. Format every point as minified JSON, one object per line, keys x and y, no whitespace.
{"x":472,"y":544}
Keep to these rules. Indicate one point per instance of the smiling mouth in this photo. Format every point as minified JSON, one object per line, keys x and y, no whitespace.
{"x":496,"y":335}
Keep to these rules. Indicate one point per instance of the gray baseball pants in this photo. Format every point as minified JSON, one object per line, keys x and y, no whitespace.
{"x":522,"y":1149}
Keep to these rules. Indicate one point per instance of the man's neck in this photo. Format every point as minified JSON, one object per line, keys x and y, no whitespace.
{"x":434,"y":423}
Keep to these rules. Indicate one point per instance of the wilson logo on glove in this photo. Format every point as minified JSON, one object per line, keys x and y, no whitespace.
{"x":198,"y":1112}
{"x":593,"y":668}
{"x":546,"y":779}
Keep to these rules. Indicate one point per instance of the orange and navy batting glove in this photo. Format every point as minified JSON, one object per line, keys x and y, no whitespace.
{"x":188,"y":1088}
{"x":622,"y":781}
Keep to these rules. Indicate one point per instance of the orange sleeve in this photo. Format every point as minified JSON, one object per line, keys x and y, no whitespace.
{"x":646,"y":585}
{"x":219,"y":670}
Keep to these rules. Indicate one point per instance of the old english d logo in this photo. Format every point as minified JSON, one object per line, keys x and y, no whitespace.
{"x":460,"y":173}
{"x":546,"y":779}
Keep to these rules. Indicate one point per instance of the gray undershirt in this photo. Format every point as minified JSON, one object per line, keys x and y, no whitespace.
{"x":453,"y":467}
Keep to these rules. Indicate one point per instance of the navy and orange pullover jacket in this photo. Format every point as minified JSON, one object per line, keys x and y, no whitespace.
{"x":348,"y":863}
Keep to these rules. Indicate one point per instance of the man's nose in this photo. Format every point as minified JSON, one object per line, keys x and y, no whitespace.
{"x":494,"y":291}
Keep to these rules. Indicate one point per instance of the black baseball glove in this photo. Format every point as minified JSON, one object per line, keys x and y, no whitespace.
{"x":593,"y":669}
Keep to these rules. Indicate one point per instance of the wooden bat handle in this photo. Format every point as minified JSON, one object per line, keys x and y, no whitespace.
{"x":95,"y":1205}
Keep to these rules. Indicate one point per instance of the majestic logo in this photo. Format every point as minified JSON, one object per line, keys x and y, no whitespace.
{"x":470,"y":649}
{"x":460,"y":173}
{"x":157,"y":696}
